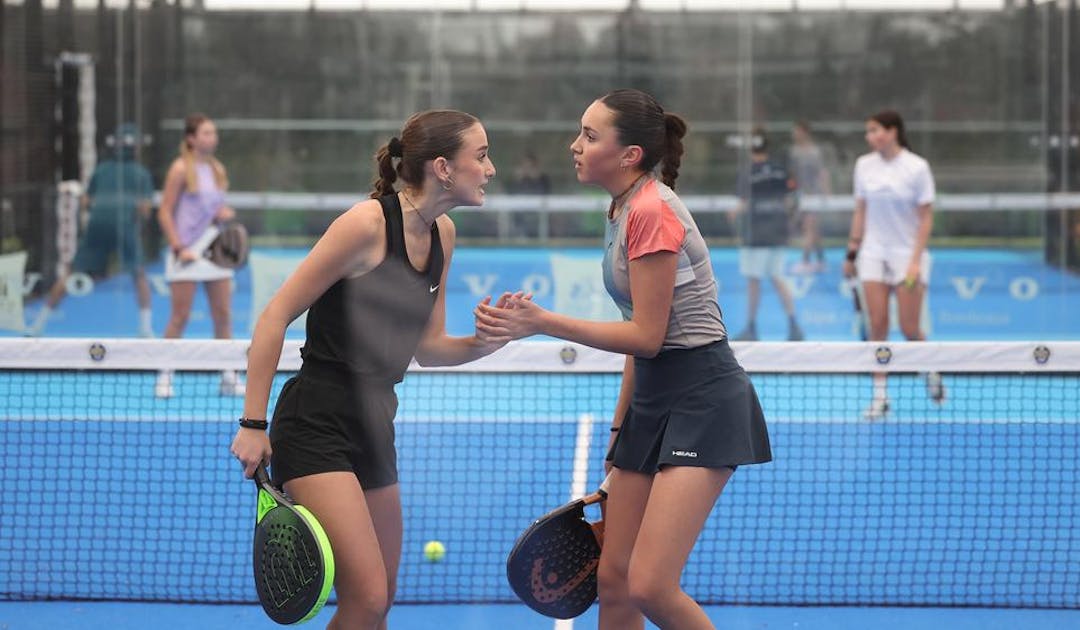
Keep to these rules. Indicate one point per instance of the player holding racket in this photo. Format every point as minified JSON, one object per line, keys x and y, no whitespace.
{"x":894,"y":195}
{"x":687,"y":414}
{"x":374,"y":284}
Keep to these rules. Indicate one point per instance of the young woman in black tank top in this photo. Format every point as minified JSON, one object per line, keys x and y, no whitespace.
{"x":374,"y":286}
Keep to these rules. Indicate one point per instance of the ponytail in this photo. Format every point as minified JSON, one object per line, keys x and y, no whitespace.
{"x":383,"y":184}
{"x":187,"y":156}
{"x":675,"y":128}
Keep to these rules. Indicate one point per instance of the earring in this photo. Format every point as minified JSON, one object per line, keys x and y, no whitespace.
{"x":448,"y":184}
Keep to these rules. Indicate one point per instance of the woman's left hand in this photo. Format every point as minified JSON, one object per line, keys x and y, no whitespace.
{"x":513,"y":316}
{"x":225,"y":213}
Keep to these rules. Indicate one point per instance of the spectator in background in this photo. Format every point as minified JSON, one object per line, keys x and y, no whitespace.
{"x":766,"y":204}
{"x":812,"y":180}
{"x":118,"y":199}
{"x":529,"y":179}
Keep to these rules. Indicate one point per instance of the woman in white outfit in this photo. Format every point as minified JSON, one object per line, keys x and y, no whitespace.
{"x":894,"y":195}
{"x":192,"y":203}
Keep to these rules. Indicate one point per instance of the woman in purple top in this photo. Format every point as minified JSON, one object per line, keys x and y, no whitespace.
{"x":192,"y":201}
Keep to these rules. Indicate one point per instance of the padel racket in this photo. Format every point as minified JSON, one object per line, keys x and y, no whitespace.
{"x":294,"y":565}
{"x":552,"y":567}
{"x":861,"y":316}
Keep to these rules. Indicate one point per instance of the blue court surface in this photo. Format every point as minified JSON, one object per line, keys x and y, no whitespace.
{"x":959,"y":515}
{"x":974,"y":294}
{"x":134,"y":616}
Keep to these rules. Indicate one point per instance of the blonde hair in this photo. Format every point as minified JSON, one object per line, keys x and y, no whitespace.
{"x":187,"y":155}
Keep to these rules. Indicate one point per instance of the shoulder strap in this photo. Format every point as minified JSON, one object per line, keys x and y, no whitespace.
{"x":395,"y":229}
{"x":435,"y":269}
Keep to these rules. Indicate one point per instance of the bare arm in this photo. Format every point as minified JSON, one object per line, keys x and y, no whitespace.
{"x":436,"y":347}
{"x":926,"y":225}
{"x":622,"y":405}
{"x":652,"y":286}
{"x":858,"y":225}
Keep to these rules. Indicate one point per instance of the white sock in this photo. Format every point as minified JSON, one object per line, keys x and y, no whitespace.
{"x":41,"y":319}
{"x":146,"y":322}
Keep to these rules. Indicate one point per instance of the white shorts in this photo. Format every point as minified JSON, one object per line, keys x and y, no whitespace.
{"x":758,"y":262}
{"x":199,"y":270}
{"x":891,"y":268}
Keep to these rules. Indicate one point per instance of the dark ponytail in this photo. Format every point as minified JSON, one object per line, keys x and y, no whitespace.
{"x":426,"y":136}
{"x":890,"y":119}
{"x":673,"y":150}
{"x":641,"y":121}
{"x":387,"y":174}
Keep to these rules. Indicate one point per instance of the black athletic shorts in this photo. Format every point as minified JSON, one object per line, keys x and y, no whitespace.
{"x":328,"y":420}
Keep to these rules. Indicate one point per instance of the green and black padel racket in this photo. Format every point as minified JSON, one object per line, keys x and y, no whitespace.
{"x":294,"y":565}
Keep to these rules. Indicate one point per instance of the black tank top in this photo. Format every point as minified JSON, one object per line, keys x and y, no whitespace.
{"x":371,"y":325}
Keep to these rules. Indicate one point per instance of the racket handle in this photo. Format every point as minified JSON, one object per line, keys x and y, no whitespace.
{"x":605,"y":484}
{"x":261,"y":477}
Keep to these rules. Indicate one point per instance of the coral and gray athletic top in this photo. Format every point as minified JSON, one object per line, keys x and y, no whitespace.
{"x":654,"y":219}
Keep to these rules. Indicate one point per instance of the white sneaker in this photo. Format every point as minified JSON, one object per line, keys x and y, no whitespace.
{"x":935,"y":387}
{"x":163,"y":388}
{"x":877,"y":409}
{"x":231,"y":385}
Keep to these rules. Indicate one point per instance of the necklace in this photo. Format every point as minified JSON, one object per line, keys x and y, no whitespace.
{"x":617,"y":200}
{"x":417,"y":210}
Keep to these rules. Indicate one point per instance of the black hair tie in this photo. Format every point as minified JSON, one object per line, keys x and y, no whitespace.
{"x":394,"y":147}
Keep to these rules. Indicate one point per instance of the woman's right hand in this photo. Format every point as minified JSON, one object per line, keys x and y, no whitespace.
{"x":849,"y":269}
{"x":186,"y":256}
{"x":252,"y":448}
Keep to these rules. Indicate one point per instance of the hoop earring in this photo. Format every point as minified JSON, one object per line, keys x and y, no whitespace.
{"x":448,"y":184}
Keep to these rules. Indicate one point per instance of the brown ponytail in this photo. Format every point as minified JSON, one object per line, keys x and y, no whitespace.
{"x":426,"y":136}
{"x":387,"y":175}
{"x":641,"y":121}
{"x":676,"y":129}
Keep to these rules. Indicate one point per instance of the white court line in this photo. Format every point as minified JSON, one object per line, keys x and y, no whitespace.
{"x":579,"y":478}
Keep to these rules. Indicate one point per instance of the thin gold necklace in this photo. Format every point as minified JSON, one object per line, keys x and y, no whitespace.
{"x":417,"y":210}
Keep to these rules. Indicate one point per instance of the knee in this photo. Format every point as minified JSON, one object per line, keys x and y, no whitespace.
{"x":179,"y":317}
{"x":391,"y":592}
{"x":911,"y":332}
{"x":647,"y":591}
{"x":365,"y":606}
{"x":611,"y":582}
{"x":879,"y":326}
{"x":221,"y":312}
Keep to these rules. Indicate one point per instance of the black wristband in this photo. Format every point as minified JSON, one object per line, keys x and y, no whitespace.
{"x":852,"y":254}
{"x":615,"y":429}
{"x":249,"y":423}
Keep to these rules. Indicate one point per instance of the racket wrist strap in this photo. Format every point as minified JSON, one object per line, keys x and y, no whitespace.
{"x":252,"y":423}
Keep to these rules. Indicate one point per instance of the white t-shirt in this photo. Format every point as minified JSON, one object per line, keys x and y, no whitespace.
{"x":893,"y":191}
